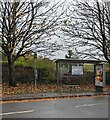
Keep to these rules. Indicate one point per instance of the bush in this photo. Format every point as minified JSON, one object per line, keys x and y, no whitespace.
{"x":108,"y":77}
{"x":108,"y":74}
{"x":46,"y":75}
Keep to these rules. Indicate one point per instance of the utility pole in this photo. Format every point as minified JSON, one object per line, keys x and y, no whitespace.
{"x":35,"y":69}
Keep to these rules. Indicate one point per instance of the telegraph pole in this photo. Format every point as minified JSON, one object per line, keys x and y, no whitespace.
{"x":35,"y":69}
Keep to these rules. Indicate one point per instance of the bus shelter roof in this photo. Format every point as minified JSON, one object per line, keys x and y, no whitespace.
{"x":80,"y":61}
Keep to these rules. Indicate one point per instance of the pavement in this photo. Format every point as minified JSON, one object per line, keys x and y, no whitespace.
{"x":50,"y":95}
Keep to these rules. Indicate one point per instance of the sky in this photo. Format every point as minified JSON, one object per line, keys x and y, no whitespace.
{"x":59,"y":54}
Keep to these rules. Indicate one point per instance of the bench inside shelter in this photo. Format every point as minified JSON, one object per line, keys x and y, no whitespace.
{"x":72,"y":87}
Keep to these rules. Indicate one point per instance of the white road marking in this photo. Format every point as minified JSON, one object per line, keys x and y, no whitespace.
{"x":9,"y":113}
{"x":87,"y":105}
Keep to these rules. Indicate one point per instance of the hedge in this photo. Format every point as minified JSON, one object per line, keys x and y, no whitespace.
{"x":26,"y":74}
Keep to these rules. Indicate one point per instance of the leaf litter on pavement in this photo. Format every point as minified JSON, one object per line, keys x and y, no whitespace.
{"x":23,"y":88}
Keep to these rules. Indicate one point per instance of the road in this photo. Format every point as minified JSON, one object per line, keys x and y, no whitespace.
{"x":96,"y":107}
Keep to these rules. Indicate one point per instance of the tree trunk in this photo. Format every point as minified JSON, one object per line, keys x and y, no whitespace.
{"x":107,"y":58}
{"x":11,"y":72}
{"x":109,"y":61}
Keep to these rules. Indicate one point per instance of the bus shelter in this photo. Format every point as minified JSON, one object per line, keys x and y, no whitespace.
{"x":72,"y":70}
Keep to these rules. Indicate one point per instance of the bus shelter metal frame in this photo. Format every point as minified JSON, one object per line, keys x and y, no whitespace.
{"x":71,"y":61}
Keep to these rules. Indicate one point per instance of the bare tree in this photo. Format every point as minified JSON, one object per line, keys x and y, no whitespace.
{"x":88,"y":24}
{"x":22,"y":24}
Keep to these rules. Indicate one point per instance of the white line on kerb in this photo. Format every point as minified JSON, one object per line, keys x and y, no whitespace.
{"x":9,"y":113}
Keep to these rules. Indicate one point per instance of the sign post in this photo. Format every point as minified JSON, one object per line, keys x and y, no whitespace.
{"x":99,"y":77}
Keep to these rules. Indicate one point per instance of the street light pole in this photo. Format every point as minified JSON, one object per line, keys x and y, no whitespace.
{"x":35,"y":69}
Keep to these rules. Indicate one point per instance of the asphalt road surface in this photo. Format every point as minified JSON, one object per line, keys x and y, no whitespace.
{"x":96,"y":107}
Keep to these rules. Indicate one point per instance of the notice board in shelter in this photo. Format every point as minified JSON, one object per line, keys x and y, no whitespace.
{"x":77,"y":69}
